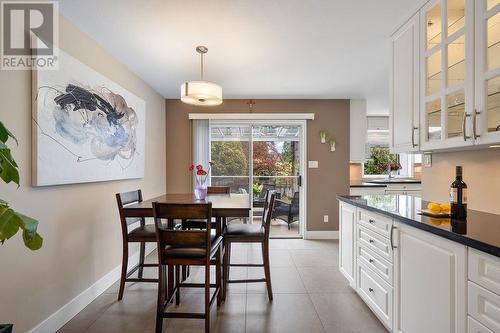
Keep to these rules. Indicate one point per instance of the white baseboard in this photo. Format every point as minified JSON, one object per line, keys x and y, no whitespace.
{"x":59,"y":318}
{"x":322,"y":235}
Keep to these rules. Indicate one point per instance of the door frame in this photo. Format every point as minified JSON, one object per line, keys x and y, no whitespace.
{"x":302,"y":123}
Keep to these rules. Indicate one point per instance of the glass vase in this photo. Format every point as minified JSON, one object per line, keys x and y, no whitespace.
{"x":200,"y":190}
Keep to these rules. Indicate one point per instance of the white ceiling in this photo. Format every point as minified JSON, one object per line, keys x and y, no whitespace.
{"x":257,"y":48}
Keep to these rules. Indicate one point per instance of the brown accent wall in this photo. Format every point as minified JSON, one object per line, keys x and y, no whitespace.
{"x":323,"y":184}
{"x":481,"y":170}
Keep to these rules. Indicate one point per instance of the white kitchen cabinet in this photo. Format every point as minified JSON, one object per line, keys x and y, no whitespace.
{"x":458,"y":77}
{"x":486,"y":119}
{"x":446,"y":74}
{"x":404,"y":99}
{"x":358,"y":128}
{"x":347,"y":244}
{"x":429,"y":282}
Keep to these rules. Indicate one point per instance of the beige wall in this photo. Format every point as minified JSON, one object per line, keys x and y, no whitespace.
{"x":79,"y":223}
{"x":481,"y":173}
{"x":330,"y":179}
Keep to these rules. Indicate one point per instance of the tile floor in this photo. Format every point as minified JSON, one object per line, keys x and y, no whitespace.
{"x":310,"y":295}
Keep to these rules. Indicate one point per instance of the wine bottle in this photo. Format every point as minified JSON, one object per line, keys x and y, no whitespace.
{"x":458,"y":197}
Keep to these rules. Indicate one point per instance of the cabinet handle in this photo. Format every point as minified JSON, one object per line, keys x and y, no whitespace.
{"x":392,"y":237}
{"x":464,"y":121}
{"x":413,"y":137}
{"x":474,"y":131}
{"x":370,"y":290}
{"x":371,"y":221}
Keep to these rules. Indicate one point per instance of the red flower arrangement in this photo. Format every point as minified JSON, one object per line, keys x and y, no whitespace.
{"x":201,"y":174}
{"x":393,"y":166}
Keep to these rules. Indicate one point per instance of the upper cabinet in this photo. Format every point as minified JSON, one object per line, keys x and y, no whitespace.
{"x":486,"y":120}
{"x":446,"y":78}
{"x":458,"y":55}
{"x":404,"y":115}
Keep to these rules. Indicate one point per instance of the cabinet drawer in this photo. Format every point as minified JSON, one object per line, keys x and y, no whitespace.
{"x":484,"y":306}
{"x":375,"y":242}
{"x":484,"y":270}
{"x":379,"y":265}
{"x":375,"y":222}
{"x":376,"y":293}
{"x":475,"y":327}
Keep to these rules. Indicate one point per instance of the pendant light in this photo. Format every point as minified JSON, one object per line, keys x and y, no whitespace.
{"x":201,"y":92}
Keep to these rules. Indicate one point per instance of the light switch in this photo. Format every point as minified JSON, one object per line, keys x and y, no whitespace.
{"x":313,"y":164}
{"x":325,"y":218}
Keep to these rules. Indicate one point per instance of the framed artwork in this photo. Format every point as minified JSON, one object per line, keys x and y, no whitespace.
{"x":86,"y":128}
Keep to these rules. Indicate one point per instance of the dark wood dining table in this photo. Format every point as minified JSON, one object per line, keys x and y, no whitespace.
{"x":223,"y":206}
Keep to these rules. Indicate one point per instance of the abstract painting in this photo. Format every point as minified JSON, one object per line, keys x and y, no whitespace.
{"x":86,"y":128}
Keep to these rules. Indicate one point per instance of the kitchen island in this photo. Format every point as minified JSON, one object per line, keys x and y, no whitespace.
{"x":407,"y":267}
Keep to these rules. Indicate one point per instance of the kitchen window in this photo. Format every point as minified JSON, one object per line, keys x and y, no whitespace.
{"x":378,"y":155}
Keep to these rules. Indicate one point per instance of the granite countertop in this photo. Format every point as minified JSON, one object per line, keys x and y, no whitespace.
{"x":481,"y":230}
{"x":383,"y":182}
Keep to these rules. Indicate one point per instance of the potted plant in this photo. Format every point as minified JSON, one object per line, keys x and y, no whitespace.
{"x":257,"y":188}
{"x":393,"y":167}
{"x":10,"y":220}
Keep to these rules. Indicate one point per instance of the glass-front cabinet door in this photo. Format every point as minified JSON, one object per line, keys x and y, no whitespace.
{"x":487,"y":86}
{"x":447,"y":74}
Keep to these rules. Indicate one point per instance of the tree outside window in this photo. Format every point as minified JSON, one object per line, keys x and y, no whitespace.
{"x":376,"y":164}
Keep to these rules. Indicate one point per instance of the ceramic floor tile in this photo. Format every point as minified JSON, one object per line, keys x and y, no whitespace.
{"x":283,"y":280}
{"x":323,"y":279}
{"x":288,"y":313}
{"x":89,"y":314}
{"x":312,"y":297}
{"x":345,"y":313}
{"x":314,"y":258}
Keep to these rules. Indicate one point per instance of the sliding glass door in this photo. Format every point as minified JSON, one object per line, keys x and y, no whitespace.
{"x":253,"y":157}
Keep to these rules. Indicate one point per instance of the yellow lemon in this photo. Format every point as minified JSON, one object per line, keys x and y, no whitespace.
{"x":445,"y":208}
{"x":434,"y":208}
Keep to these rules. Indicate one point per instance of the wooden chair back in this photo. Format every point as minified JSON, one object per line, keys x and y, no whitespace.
{"x":268,"y":211}
{"x":124,"y":199}
{"x":167,"y":235}
{"x":218,"y":190}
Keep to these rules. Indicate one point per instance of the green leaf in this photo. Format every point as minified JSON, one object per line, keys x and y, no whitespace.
{"x":8,"y":167}
{"x":9,"y":224}
{"x":5,"y":134}
{"x":34,"y":242}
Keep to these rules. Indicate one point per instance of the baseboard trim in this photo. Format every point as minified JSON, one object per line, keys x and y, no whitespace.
{"x":64,"y":314}
{"x":334,"y":234}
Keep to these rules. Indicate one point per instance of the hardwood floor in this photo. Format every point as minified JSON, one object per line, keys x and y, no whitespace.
{"x":310,"y":295}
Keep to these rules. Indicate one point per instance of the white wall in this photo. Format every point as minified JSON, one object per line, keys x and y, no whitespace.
{"x":79,"y":223}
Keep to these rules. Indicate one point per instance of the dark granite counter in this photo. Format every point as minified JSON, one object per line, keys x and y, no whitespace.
{"x":481,"y":230}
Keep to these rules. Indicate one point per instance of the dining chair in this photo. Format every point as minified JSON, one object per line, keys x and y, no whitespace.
{"x":178,"y":248}
{"x":141,"y":234}
{"x":250,"y":233}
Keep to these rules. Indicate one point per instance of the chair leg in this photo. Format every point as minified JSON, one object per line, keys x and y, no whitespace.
{"x":207,"y":298}
{"x":124,"y":270}
{"x":225,"y":272}
{"x":218,"y":275}
{"x":177,"y":281}
{"x":267,"y":271}
{"x":141,"y":259}
{"x":161,"y":298}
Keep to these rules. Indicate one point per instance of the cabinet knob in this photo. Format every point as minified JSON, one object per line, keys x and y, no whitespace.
{"x":370,"y":240}
{"x":371,"y":260}
{"x":370,"y":290}
{"x":371,"y":221}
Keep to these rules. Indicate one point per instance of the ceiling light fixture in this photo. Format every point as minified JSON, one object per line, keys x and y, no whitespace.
{"x":201,"y":92}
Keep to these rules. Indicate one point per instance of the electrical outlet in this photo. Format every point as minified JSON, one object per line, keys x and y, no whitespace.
{"x":325,"y":218}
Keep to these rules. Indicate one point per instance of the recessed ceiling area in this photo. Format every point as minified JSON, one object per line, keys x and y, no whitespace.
{"x":257,"y":49}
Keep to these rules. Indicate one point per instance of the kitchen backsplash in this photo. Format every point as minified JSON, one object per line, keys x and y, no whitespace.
{"x":481,"y":172}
